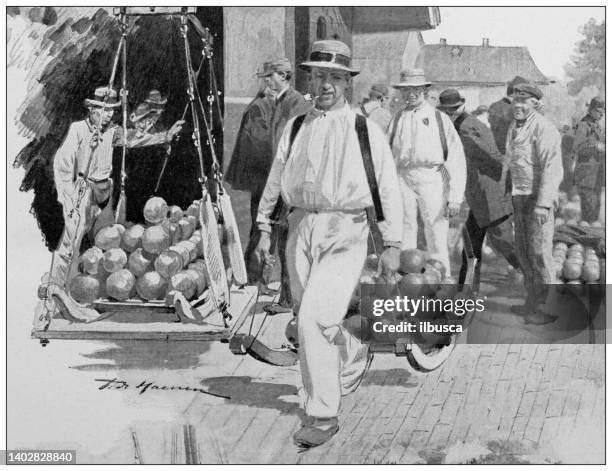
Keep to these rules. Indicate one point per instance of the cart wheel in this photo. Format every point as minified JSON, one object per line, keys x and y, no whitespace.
{"x":44,"y":342}
{"x":236,"y":345}
{"x":428,"y":361}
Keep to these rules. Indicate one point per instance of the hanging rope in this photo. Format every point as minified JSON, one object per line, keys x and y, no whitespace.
{"x":121,"y":206}
{"x":169,"y":147}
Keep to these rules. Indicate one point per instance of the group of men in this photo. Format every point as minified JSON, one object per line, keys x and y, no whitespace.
{"x":83,"y":165}
{"x":329,"y":167}
{"x":316,"y":167}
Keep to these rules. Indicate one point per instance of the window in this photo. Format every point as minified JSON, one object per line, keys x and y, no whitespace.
{"x":321,"y":28}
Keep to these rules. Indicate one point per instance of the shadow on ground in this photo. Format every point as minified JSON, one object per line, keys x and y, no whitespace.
{"x":146,"y":355}
{"x":244,"y":391}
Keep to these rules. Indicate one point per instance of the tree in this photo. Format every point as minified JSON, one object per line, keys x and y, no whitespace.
{"x":587,"y":66}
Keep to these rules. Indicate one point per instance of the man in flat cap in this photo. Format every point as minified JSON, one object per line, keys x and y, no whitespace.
{"x":373,"y":106}
{"x":590,"y":152}
{"x":82,"y":169}
{"x":430,"y":164}
{"x":284,"y":103}
{"x":486,"y":192}
{"x":320,"y":174}
{"x":501,"y":114}
{"x":533,"y":152}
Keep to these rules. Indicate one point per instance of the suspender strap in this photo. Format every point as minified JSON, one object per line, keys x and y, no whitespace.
{"x":363,"y":110}
{"x":366,"y":153}
{"x":442,"y":135}
{"x":297,"y":124}
{"x":396,"y":119}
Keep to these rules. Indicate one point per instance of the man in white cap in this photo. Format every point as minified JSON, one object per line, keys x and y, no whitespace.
{"x":82,"y":168}
{"x":374,"y":106}
{"x":430,"y":164}
{"x":320,"y":175}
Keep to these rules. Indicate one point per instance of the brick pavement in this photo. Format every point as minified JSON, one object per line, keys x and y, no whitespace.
{"x":495,"y":403}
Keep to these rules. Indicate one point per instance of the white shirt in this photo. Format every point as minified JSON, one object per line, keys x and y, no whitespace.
{"x":325,"y":170}
{"x":417,"y":145}
{"x":76,"y":154}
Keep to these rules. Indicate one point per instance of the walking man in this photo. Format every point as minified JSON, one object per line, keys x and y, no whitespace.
{"x":533,"y":150}
{"x":430,"y":164}
{"x":486,"y":192}
{"x":261,"y":128}
{"x":321,"y":176}
{"x":590,"y":153}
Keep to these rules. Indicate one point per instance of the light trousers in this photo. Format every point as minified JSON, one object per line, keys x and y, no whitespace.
{"x":77,"y":223}
{"x":425,"y":190}
{"x":326,"y":252}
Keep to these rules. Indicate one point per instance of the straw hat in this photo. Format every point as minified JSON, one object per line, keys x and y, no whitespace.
{"x":330,"y":54}
{"x":103,"y":97}
{"x":412,"y":78}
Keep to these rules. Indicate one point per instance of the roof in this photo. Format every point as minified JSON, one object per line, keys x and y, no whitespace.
{"x":478,"y":65}
{"x":372,"y":19}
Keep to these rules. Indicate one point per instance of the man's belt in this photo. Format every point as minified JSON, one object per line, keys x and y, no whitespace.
{"x":322,"y":211}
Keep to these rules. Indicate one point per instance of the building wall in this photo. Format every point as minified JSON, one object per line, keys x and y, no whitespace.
{"x":380,"y":57}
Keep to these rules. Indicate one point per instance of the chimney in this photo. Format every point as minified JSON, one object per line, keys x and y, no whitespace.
{"x":442,"y":41}
{"x":485,"y":42}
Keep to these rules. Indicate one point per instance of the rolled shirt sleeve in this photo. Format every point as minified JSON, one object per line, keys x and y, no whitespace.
{"x":136,"y":139}
{"x":388,"y":184}
{"x":273,"y":184}
{"x":455,"y":163}
{"x":64,"y":165}
{"x":548,"y":153}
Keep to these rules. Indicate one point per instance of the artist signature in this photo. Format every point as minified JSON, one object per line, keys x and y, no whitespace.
{"x":146,"y":385}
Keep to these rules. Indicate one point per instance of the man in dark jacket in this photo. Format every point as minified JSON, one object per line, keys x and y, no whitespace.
{"x":260,"y":131}
{"x":486,"y":191}
{"x":590,"y":152}
{"x":501,"y":115}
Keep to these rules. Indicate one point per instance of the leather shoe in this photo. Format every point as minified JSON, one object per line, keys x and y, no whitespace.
{"x":316,"y":432}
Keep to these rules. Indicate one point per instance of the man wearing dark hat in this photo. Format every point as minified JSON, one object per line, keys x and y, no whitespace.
{"x":485,"y":190}
{"x":144,"y":165}
{"x":501,"y":115}
{"x":374,"y":106}
{"x":82,"y":168}
{"x":590,"y":152}
{"x":249,"y":167}
{"x":322,"y":177}
{"x":533,"y":152}
{"x":430,"y":164}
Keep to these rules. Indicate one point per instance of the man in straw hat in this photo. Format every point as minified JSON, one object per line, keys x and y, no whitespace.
{"x":533,"y":151}
{"x":82,"y":168}
{"x":144,"y":165}
{"x":486,"y":191}
{"x":590,"y":153}
{"x":374,"y":106}
{"x":321,"y":176}
{"x":431,"y":166}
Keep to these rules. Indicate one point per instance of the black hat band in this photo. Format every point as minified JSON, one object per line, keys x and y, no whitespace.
{"x":334,"y":58}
